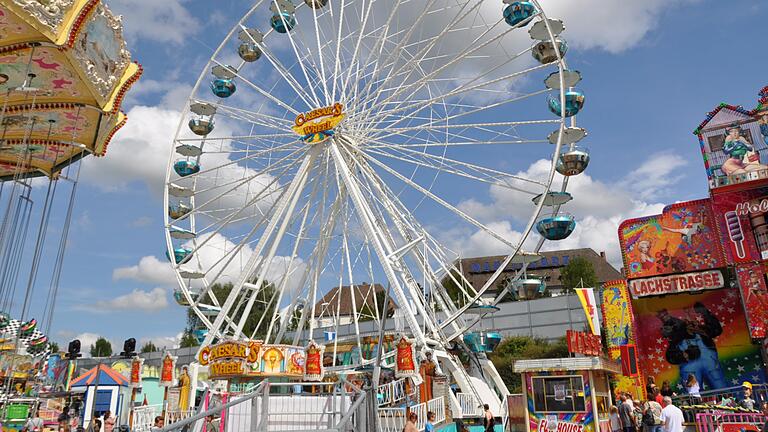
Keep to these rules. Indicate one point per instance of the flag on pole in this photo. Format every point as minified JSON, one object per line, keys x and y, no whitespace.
{"x":587,"y":299}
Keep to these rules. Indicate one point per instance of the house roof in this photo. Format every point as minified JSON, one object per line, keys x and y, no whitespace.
{"x":338,"y":301}
{"x":106,"y":376}
{"x":724,"y":115}
{"x":549,"y":267}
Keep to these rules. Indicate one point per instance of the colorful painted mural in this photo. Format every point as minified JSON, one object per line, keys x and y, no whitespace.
{"x":580,"y":419}
{"x":702,"y":334}
{"x":619,"y":327}
{"x":742,"y":222}
{"x":754,"y":293}
{"x":681,"y":239}
{"x":734,"y":143}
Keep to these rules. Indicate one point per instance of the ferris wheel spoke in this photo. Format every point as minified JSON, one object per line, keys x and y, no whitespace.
{"x":472,"y":47}
{"x":296,"y":154}
{"x":440,"y":201}
{"x":460,"y":91}
{"x":454,"y":170}
{"x":262,"y":119}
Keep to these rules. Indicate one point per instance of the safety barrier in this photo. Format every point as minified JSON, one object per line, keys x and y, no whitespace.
{"x":470,"y":405}
{"x":281,"y":407}
{"x":713,"y":421}
{"x":393,"y":419}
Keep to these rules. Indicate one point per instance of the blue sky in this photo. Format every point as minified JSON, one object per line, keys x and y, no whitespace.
{"x":652,"y":70}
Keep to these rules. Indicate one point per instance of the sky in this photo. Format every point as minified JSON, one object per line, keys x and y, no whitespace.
{"x":652,"y":70}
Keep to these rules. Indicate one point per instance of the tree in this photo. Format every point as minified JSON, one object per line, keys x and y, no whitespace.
{"x":149,"y":347}
{"x":54,"y":347}
{"x":516,"y":348}
{"x":454,"y":290}
{"x":102,"y":348}
{"x":263,"y":306}
{"x":188,"y":340}
{"x":579,"y":270}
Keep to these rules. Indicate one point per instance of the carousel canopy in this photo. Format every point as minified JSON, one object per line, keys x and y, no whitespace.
{"x":106,"y":377}
{"x":64,"y":69}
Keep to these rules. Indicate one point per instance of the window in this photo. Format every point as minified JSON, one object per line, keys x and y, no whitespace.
{"x":558,"y":394}
{"x":476,"y":268}
{"x":555,"y":261}
{"x":565,"y":259}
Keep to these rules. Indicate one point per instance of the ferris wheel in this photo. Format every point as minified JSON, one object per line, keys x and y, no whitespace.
{"x":332,"y":152}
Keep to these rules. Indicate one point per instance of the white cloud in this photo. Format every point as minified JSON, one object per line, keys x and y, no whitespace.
{"x":161,"y":342}
{"x":159,"y":21}
{"x":137,"y":300}
{"x":87,"y":339}
{"x":613,"y":25}
{"x":149,"y":270}
{"x":599,"y":208}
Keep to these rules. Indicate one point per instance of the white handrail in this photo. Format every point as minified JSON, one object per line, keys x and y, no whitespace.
{"x":470,"y":405}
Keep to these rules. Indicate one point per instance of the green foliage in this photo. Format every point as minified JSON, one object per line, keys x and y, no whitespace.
{"x":454,"y":290}
{"x":261,"y":307}
{"x":54,"y":347}
{"x":188,"y":340}
{"x":102,"y":348}
{"x":516,"y":348}
{"x":577,"y":271}
{"x":149,"y":347}
{"x":368,"y":314}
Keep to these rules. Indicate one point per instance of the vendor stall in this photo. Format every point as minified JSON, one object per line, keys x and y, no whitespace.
{"x":567,"y":394}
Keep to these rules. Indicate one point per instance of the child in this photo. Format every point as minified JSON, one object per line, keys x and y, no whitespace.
{"x":615,"y":420}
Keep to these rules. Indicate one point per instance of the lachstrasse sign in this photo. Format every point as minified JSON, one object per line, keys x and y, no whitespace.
{"x":677,"y":283}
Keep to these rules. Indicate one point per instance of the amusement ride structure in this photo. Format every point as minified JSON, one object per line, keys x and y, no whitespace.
{"x":64,"y":69}
{"x":323,"y":147}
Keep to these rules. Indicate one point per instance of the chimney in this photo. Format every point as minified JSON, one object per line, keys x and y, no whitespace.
{"x":602,"y":254}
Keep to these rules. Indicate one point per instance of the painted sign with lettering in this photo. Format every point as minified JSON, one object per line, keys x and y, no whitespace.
{"x":677,"y":283}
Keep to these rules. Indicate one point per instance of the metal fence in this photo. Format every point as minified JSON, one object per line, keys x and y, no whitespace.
{"x":272,"y":407}
{"x":713,"y":421}
{"x":393,"y":419}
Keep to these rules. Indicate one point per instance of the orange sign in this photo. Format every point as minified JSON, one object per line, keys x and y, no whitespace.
{"x":137,"y":365}
{"x":168,"y":371}
{"x":405,"y":363}
{"x":316,"y":126}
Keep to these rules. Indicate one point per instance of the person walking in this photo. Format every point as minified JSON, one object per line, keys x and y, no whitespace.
{"x":109,"y":421}
{"x":625,"y":414}
{"x":671,"y":416}
{"x":615,"y":420}
{"x":488,"y":420}
{"x":410,"y":425}
{"x":652,"y":416}
{"x":430,"y":427}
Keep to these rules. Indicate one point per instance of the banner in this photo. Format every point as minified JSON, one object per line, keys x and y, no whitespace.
{"x":587,"y":299}
{"x":314,"y":370}
{"x":405,"y":359}
{"x":168,"y":371}
{"x":137,"y":367}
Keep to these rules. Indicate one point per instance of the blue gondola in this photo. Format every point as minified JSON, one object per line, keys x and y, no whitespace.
{"x":283,"y":22}
{"x":185,"y":167}
{"x":200,"y":335}
{"x":556,"y":227}
{"x":574,"y":102}
{"x":180,"y":255}
{"x":517,"y":12}
{"x":223,"y":87}
{"x":492,"y":340}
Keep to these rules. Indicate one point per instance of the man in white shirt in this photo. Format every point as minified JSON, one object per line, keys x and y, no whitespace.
{"x":671,"y":416}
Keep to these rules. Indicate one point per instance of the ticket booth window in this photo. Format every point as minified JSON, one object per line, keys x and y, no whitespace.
{"x":558,"y":394}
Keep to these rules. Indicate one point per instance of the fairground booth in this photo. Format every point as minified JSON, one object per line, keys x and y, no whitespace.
{"x":567,"y":394}
{"x":694,"y":302}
